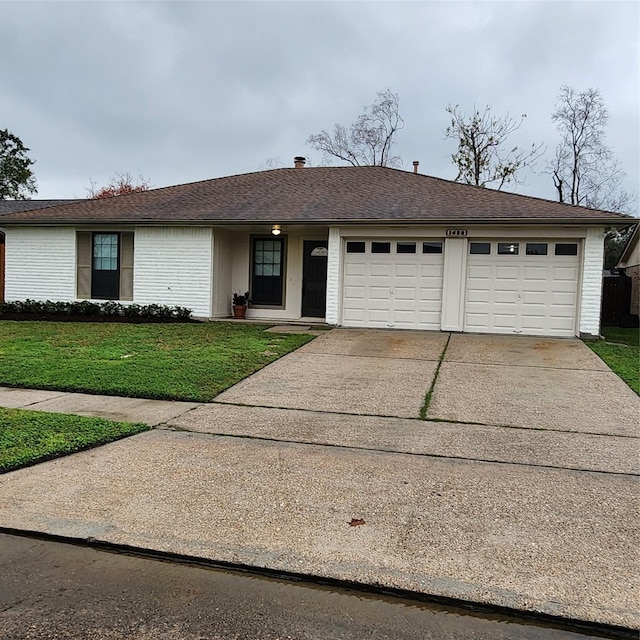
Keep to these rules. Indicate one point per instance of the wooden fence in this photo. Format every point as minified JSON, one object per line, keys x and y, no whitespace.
{"x":616,"y":300}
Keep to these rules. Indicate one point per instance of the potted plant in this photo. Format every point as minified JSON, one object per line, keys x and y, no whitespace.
{"x":240,"y":301}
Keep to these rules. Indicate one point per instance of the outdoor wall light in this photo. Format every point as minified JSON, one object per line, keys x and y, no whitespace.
{"x":276,"y":230}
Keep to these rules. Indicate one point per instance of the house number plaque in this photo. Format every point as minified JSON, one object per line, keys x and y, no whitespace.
{"x":456,"y":233}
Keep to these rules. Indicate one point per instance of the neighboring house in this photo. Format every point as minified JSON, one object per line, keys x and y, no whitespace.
{"x":13,"y":206}
{"x":630,"y":262}
{"x":354,"y":246}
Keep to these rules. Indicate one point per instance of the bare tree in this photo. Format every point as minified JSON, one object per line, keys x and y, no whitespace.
{"x":120,"y":184}
{"x":584,"y":170}
{"x":369,"y":140}
{"x":480,"y":158}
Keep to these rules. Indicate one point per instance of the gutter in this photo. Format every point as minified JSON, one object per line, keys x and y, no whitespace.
{"x":607,"y":221}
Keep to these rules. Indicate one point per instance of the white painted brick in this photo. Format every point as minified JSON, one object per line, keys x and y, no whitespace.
{"x":333,"y":277}
{"x":591,"y":292}
{"x":40,"y":264}
{"x":172,"y":265}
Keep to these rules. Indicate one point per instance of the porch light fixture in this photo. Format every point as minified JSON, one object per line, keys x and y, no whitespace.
{"x":276,"y":230}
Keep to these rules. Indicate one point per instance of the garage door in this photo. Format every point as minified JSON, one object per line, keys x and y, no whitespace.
{"x":522,"y":287}
{"x":393,"y":283}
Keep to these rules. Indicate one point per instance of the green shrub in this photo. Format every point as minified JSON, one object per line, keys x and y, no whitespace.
{"x":88,"y":308}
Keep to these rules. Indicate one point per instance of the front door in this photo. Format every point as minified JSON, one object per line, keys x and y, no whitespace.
{"x":314,"y":278}
{"x":267,"y":275}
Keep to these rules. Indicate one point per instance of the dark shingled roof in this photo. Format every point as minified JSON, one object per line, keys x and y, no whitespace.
{"x":319,"y":195}
{"x":13,"y":206}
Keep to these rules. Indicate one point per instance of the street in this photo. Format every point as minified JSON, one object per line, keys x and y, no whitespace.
{"x":55,"y":590}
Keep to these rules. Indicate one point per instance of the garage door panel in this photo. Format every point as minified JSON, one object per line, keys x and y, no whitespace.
{"x":535,"y":274}
{"x":354,"y":315}
{"x":568,"y":274}
{"x":406,"y":270}
{"x":430,"y":294}
{"x":563,"y":298}
{"x":504,"y":321}
{"x":380,"y":316}
{"x":379,"y":293}
{"x":534,"y":295}
{"x":354,"y":292}
{"x":505,"y":297}
{"x":380,"y":270}
{"x":405,"y":293}
{"x":479,"y":271}
{"x":355,"y":269}
{"x":507,"y":273}
{"x":561,"y":324}
{"x":478,"y":295}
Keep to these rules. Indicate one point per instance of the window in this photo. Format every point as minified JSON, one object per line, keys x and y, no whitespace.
{"x":267,"y":271}
{"x":105,"y":251}
{"x":480,"y":248}
{"x":508,"y":248}
{"x":536,"y":248}
{"x":355,"y":247}
{"x":267,"y":258}
{"x":405,"y":247}
{"x":432,"y":247}
{"x":104,"y":265}
{"x":566,"y":249}
{"x":380,"y":247}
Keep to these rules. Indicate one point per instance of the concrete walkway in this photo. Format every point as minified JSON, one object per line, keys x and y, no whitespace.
{"x":534,"y":505}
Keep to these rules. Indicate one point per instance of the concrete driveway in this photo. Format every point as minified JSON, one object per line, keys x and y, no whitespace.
{"x":521,"y":491}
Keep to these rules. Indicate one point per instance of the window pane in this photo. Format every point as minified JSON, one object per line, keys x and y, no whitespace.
{"x":406,"y":247}
{"x":355,"y":247}
{"x":508,"y":248}
{"x":566,"y":249}
{"x":380,"y":247}
{"x":267,"y":270}
{"x":432,"y":247}
{"x":536,"y":248}
{"x":483,"y":248}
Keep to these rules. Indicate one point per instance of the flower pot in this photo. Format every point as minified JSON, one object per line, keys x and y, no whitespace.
{"x":239,"y":311}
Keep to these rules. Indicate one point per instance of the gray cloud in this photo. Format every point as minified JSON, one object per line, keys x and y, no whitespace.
{"x":181,"y":91}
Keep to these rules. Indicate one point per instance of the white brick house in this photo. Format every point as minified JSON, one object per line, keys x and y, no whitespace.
{"x":354,"y":246}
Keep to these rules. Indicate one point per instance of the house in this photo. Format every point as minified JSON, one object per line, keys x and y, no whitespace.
{"x":12,"y":206}
{"x":630,"y":262}
{"x":353,"y":246}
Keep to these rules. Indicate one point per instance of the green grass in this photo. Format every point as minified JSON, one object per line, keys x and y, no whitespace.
{"x":621,"y":351}
{"x":27,"y":437}
{"x":168,"y":361}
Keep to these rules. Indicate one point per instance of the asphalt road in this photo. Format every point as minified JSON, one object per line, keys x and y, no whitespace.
{"x":55,"y":590}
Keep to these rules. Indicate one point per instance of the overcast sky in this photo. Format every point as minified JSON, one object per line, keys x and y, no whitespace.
{"x":184,"y":91}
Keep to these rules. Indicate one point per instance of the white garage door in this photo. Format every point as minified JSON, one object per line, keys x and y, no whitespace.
{"x":525,"y":287}
{"x":393,"y":283}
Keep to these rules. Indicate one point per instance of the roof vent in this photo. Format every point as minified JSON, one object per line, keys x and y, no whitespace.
{"x":415,"y":166}
{"x":299,"y":162}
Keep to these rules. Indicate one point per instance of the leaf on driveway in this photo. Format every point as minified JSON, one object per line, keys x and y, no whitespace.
{"x":356,"y":522}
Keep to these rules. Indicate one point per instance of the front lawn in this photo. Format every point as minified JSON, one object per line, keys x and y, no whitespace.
{"x":621,"y":351}
{"x":169,"y":361}
{"x":27,"y":437}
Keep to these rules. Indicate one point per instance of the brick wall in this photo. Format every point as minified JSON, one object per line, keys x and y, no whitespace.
{"x":591,"y":290}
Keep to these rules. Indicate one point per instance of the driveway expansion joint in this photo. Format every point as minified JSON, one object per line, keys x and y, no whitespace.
{"x":353,"y":447}
{"x":427,"y":399}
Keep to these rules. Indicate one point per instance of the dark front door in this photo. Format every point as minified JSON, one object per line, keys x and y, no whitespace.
{"x":314,"y":278}
{"x":105,"y":266}
{"x":267,"y":271}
